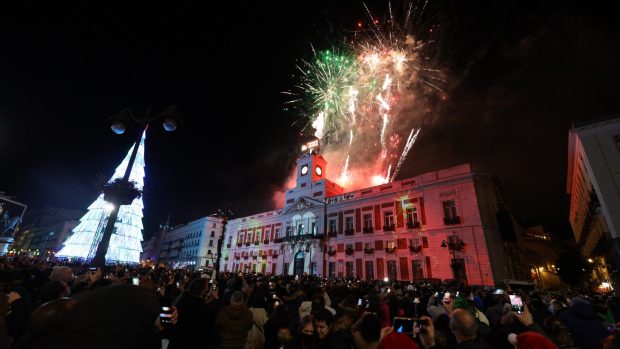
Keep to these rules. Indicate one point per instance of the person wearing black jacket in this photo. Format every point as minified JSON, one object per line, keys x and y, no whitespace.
{"x":194,"y":316}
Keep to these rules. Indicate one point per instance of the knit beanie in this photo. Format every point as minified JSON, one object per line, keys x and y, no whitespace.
{"x":531,"y":340}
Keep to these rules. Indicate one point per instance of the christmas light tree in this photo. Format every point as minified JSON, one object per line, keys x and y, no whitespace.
{"x":125,"y":243}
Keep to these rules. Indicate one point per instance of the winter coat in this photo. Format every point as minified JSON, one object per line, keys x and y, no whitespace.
{"x":233,"y":323}
{"x":306,"y":308}
{"x":256,"y":336}
{"x":587,"y":329}
{"x":195,"y":316}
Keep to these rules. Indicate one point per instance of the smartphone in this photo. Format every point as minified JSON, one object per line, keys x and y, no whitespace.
{"x":93,"y":269}
{"x":405,"y":325}
{"x":276,"y":303}
{"x":436,"y":294}
{"x":457,"y":293}
{"x":165,"y":315}
{"x":359,"y":302}
{"x":516,"y":302}
{"x":136,"y":281}
{"x":177,"y":284}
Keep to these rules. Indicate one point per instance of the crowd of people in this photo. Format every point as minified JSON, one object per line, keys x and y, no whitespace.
{"x":59,"y":305}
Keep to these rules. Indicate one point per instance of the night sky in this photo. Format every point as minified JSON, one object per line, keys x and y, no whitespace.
{"x":519,"y":72}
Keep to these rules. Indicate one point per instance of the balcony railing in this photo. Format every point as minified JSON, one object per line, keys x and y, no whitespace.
{"x":348,"y":251}
{"x":317,"y":236}
{"x":278,"y":240}
{"x":332,"y":234}
{"x":245,"y":256}
{"x":389,"y":227}
{"x":413,"y":225}
{"x":256,"y":242}
{"x":239,"y":244}
{"x":275,"y":255}
{"x":237,"y":257}
{"x":247,"y":243}
{"x":369,"y":250}
{"x":368,"y":230}
{"x":390,"y":249}
{"x":451,"y":220}
{"x":349,"y":232}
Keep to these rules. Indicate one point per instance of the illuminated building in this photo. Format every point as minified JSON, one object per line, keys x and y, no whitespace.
{"x":440,"y":225}
{"x":192,"y":245}
{"x":592,"y":182}
{"x":125,"y":243}
{"x":44,"y":230}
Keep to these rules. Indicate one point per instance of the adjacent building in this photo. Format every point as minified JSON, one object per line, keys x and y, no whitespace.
{"x":438,"y":225}
{"x":192,"y":245}
{"x":593,"y":186}
{"x":45,"y":230}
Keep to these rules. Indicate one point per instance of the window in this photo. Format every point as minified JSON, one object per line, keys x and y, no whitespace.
{"x":249,"y":238}
{"x":349,"y":269}
{"x":412,"y":215}
{"x":392,"y":274}
{"x":368,"y":220}
{"x":332,"y":225}
{"x":348,"y":221}
{"x":388,"y":220}
{"x":208,"y":252}
{"x":277,"y":232}
{"x":389,"y":244}
{"x":314,"y":228}
{"x":416,"y":268}
{"x":370,"y":270}
{"x":300,"y":229}
{"x":212,"y":234}
{"x":210,"y":243}
{"x":368,"y":245}
{"x":258,"y":234}
{"x":449,"y":209}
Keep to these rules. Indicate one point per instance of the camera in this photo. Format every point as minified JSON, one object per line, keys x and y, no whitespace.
{"x":516,"y":302}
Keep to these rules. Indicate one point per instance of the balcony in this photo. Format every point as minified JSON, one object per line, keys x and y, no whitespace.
{"x":390,"y":249}
{"x":415,"y":249}
{"x":247,"y":243}
{"x":256,"y":243}
{"x":451,"y":220}
{"x":349,"y":232}
{"x":275,"y":255}
{"x":245,"y":256}
{"x":348,"y":251}
{"x":265,"y":242}
{"x":331,"y":253}
{"x":254,"y":256}
{"x":237,"y":257}
{"x":369,"y":250}
{"x":318,"y":236}
{"x":413,"y":225}
{"x":239,"y":244}
{"x":368,"y":230}
{"x":278,"y":240}
{"x":228,"y":246}
{"x":389,"y":227}
{"x":332,"y":234}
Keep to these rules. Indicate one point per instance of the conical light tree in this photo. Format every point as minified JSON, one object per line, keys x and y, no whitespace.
{"x":125,"y":243}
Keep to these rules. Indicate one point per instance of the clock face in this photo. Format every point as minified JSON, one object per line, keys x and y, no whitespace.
{"x":304,"y":169}
{"x":318,"y":170}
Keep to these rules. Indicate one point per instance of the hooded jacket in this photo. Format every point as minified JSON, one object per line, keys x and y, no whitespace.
{"x":587,"y":329}
{"x":233,"y":323}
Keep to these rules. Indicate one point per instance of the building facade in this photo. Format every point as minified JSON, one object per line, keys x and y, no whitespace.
{"x":593,"y":185}
{"x":192,"y":245}
{"x":45,"y":230}
{"x":439,"y":225}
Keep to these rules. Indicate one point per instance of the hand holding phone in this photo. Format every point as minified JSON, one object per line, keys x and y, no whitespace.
{"x":405,"y":325}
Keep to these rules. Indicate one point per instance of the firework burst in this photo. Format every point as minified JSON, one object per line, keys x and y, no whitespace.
{"x":365,"y":98}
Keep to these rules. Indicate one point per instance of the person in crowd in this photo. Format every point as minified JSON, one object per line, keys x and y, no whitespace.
{"x":305,"y":336}
{"x":233,"y":323}
{"x":315,"y":304}
{"x":256,"y":337}
{"x":391,"y":309}
{"x":279,"y":322}
{"x":445,"y":307}
{"x":368,"y":334}
{"x":323,"y":321}
{"x":194,"y":316}
{"x":465,"y":329}
{"x":581,"y":320}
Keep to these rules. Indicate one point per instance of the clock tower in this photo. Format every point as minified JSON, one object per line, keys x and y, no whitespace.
{"x":310,"y":168}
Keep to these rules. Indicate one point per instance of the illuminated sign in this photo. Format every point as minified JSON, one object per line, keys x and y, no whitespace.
{"x":310,"y":146}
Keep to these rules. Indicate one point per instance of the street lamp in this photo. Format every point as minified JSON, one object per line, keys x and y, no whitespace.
{"x":122,"y":191}
{"x":454,"y":243}
{"x":224,"y":213}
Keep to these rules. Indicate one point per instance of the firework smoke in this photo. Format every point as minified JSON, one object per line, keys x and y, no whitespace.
{"x":364,"y":98}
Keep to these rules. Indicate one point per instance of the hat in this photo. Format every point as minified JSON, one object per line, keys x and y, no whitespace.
{"x":531,"y":340}
{"x":410,"y":287}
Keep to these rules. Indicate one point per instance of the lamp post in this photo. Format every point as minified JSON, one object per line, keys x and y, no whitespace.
{"x":224,"y":213}
{"x":454,"y":243}
{"x":122,"y":191}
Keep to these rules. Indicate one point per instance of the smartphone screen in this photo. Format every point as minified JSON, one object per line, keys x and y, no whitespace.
{"x":517,"y":303}
{"x":136,"y":281}
{"x":165,"y":316}
{"x":359,"y":302}
{"x":404,"y":325}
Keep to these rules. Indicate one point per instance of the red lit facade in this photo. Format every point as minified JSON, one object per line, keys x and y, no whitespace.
{"x":438,"y":225}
